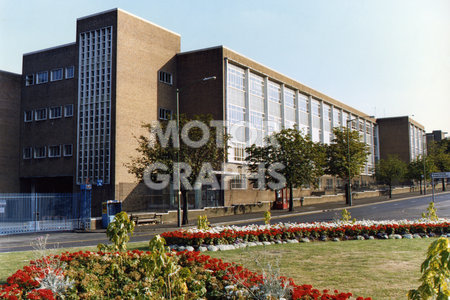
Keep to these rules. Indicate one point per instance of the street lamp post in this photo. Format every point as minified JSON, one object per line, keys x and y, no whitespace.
{"x":185,"y":221}
{"x":424,"y":165}
{"x":349,"y":189}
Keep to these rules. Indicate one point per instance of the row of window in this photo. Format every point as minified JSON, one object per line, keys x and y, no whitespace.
{"x":55,"y":112}
{"x":165,"y":114}
{"x":53,"y":151}
{"x":55,"y":75}
{"x":165,"y":77}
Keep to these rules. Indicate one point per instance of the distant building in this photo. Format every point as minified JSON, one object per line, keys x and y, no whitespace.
{"x":82,"y":104}
{"x":402,"y":137}
{"x":9,"y":131}
{"x":435,"y":136}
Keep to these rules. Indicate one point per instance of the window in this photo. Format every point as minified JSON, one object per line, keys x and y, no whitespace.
{"x":56,"y":74}
{"x":68,"y":110}
{"x":165,"y":114}
{"x":29,"y":79}
{"x":55,"y":112}
{"x":239,"y":152}
{"x":238,"y":182}
{"x":39,"y":152}
{"x":28,"y":116}
{"x":54,"y":151}
{"x":165,"y":77}
{"x":40,"y":114}
{"x":70,"y":72}
{"x":27,"y":151}
{"x":67,"y":150}
{"x":42,"y":77}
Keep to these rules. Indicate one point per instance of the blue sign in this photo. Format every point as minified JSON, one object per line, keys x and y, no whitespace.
{"x":99,"y":182}
{"x":86,"y":187}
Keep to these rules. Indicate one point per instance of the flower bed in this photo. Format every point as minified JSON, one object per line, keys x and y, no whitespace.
{"x":298,"y":231}
{"x":133,"y":274}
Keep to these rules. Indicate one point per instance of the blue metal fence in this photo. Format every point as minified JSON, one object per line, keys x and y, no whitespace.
{"x":22,"y":213}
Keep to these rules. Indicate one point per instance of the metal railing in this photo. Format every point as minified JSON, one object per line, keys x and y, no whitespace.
{"x":22,"y":213}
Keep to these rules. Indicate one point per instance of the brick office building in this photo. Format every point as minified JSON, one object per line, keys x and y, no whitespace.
{"x":83,"y":103}
{"x":9,"y":131}
{"x":402,"y":137}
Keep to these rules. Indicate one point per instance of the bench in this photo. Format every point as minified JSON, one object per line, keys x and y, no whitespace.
{"x":146,"y":218}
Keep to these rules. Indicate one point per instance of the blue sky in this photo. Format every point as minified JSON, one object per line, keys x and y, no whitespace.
{"x":383,"y":57}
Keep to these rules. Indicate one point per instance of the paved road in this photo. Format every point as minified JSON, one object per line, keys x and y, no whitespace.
{"x":376,"y":209}
{"x":409,"y":208}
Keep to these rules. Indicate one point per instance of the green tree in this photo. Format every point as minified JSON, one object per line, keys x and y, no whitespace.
{"x":440,"y":155}
{"x":300,"y":160}
{"x":417,"y":167}
{"x":202,"y":159}
{"x":390,"y":171}
{"x":346,"y":155}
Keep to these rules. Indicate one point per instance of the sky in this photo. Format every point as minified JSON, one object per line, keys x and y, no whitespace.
{"x":385,"y":58}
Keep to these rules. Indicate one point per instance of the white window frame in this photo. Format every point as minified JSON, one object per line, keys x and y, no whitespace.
{"x":30,"y":156}
{"x":25,"y":119}
{"x":67,"y":72}
{"x":50,"y":148}
{"x":27,"y":79}
{"x":37,"y":77}
{"x":238,"y":182}
{"x":36,"y":149}
{"x":52,"y":72}
{"x":51,"y":111}
{"x":65,"y":152}
{"x":165,"y":114}
{"x":71,"y":110}
{"x":166,"y":77}
{"x":36,"y":112}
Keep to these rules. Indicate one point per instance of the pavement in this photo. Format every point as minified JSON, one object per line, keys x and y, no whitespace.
{"x":21,"y":242}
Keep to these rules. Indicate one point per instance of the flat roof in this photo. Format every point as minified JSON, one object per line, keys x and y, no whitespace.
{"x":48,"y":49}
{"x":130,"y":14}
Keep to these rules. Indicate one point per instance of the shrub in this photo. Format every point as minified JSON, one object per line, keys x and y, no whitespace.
{"x":431,"y":213}
{"x":119,"y":232}
{"x":436,"y":273}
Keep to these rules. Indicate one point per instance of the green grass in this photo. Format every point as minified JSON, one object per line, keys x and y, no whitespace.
{"x":381,"y":269}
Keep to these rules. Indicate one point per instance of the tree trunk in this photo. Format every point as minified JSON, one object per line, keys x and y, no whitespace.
{"x":185,"y":207}
{"x":443,"y":185}
{"x":291,"y":198}
{"x":390,"y":191}
{"x":420,"y":184}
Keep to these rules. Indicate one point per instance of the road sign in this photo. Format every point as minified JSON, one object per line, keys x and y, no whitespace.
{"x":99,"y":182}
{"x":439,"y":175}
{"x":86,"y":187}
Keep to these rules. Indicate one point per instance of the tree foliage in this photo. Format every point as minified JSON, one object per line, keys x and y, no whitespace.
{"x":390,"y":171}
{"x":154,"y":149}
{"x":440,"y":155}
{"x":300,"y":160}
{"x":339,"y":162}
{"x":436,"y":273}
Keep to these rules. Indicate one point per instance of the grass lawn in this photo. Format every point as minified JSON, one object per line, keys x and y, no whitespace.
{"x":381,"y":269}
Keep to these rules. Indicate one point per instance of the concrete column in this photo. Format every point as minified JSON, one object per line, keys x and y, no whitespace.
{"x":322,"y":122}
{"x":266,"y":105}
{"x":283,"y":118}
{"x":297,"y":110}
{"x":247,"y":106}
{"x":310,"y":122}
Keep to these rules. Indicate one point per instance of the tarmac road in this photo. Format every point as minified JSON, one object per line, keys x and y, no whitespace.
{"x":408,"y":206}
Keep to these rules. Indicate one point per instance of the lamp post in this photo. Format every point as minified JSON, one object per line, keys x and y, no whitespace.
{"x":179,"y":147}
{"x":349,"y":188}
{"x":424,"y":165}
